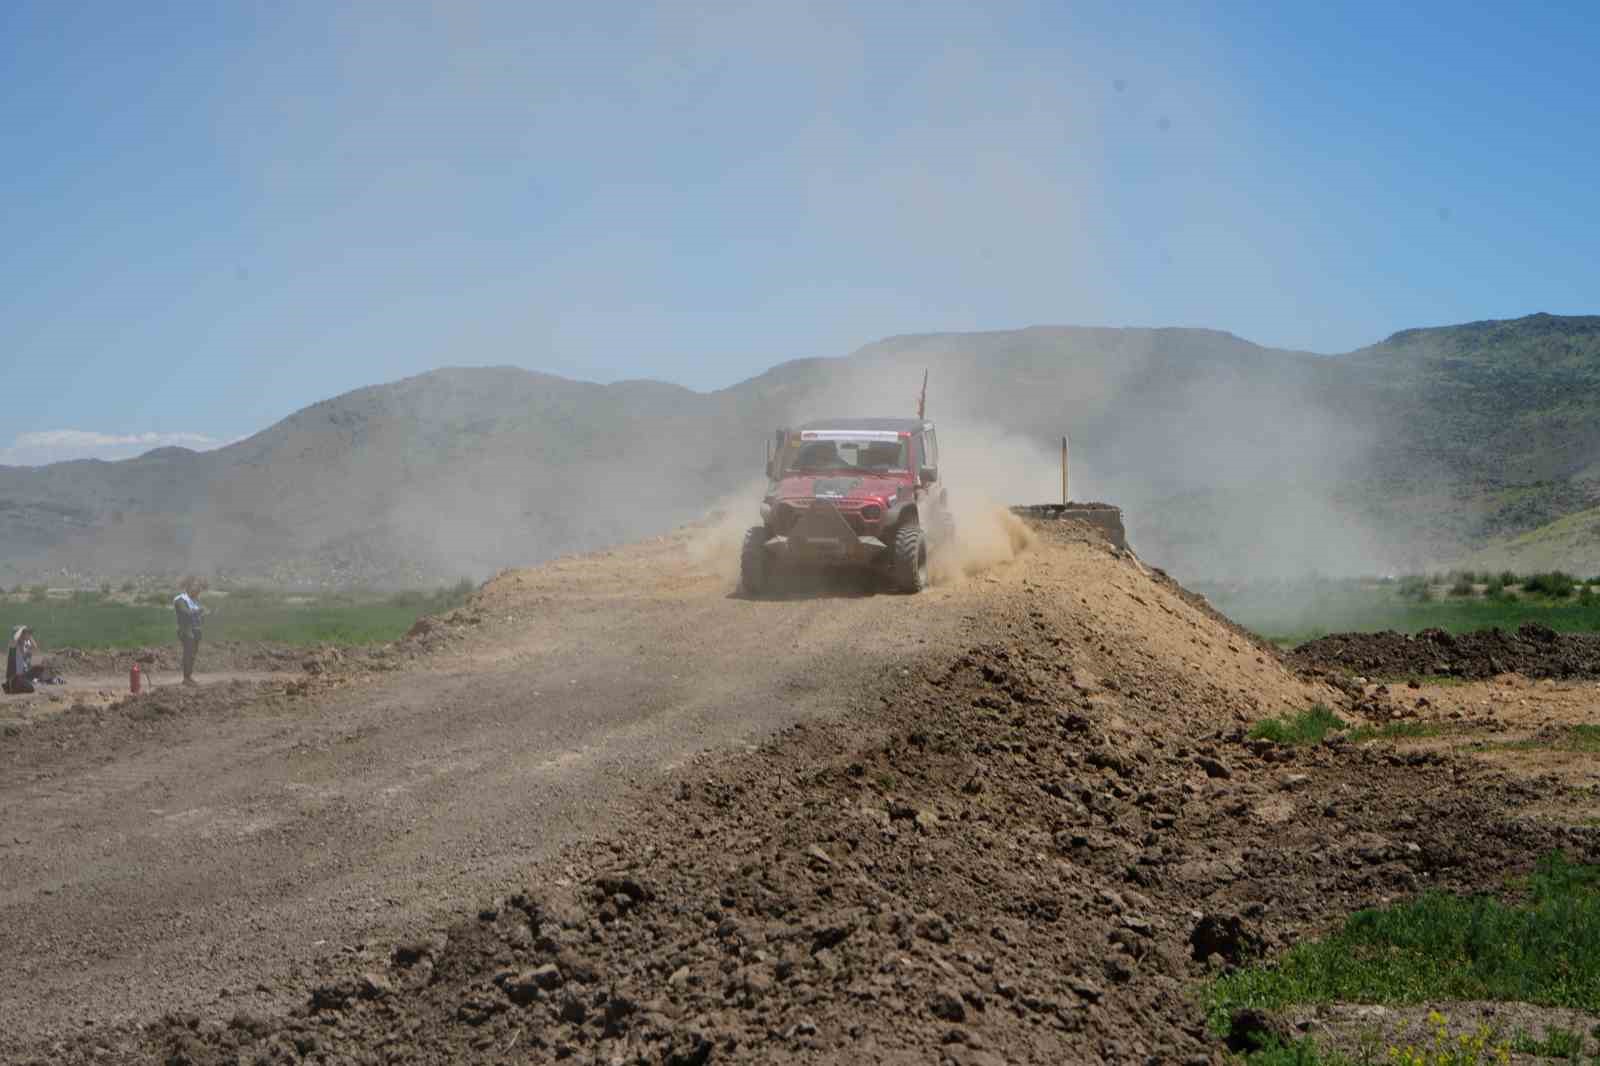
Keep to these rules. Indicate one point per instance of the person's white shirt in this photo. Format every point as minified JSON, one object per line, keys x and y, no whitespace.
{"x":191,"y":609}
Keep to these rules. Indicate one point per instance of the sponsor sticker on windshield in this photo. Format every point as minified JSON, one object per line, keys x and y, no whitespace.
{"x":880,"y":435}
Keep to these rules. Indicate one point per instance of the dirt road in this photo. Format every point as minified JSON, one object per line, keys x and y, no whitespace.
{"x":1021,"y":820}
{"x":212,"y":846}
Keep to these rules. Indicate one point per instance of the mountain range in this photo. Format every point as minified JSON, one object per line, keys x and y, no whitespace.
{"x":1230,"y":459}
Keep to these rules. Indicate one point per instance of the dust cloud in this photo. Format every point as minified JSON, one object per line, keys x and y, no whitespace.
{"x":985,"y":472}
{"x":987,"y":534}
{"x":1229,"y":461}
{"x":715,"y":541}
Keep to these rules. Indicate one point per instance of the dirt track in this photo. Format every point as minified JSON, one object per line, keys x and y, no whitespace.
{"x":1022,"y":823}
{"x":156,"y":859}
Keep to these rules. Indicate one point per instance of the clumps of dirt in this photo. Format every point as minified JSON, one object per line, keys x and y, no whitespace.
{"x":87,"y":729}
{"x":1534,"y":650}
{"x":330,"y":665}
{"x":992,"y":863}
{"x":435,"y":633}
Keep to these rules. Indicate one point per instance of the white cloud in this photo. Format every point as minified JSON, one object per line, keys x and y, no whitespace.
{"x":58,"y":445}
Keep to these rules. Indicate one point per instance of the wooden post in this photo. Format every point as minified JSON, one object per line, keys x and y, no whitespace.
{"x":1064,"y":496}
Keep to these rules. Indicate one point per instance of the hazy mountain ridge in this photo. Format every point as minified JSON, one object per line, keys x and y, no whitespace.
{"x":1228,"y":456}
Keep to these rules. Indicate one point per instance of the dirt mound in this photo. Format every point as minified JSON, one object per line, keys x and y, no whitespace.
{"x":94,"y":730}
{"x":220,"y":655}
{"x":1533,"y":650}
{"x":1010,"y":876}
{"x":1024,"y":849}
{"x":1027,"y":851}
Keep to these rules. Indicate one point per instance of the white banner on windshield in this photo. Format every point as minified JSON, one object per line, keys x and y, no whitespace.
{"x":850,"y":434}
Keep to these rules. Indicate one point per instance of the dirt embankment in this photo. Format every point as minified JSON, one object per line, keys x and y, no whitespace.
{"x":1533,"y":650}
{"x":1026,"y":843}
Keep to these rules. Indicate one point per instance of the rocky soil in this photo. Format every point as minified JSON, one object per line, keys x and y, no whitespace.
{"x":1052,"y":897}
{"x":1032,"y":847}
{"x":1534,"y":650}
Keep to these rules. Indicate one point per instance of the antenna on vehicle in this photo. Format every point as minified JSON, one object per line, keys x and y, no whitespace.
{"x":922,"y":400}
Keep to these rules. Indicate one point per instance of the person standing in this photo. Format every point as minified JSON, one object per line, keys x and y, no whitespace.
{"x":187,"y":605}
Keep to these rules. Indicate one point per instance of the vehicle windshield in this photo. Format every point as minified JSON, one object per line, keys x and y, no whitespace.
{"x":841,"y":452}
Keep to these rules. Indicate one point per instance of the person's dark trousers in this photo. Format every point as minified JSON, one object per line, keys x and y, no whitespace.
{"x":191,"y":645}
{"x":16,"y":683}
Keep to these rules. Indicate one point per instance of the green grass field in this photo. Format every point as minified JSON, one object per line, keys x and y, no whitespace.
{"x":1292,"y":612}
{"x":1437,"y":948}
{"x":95,"y":621}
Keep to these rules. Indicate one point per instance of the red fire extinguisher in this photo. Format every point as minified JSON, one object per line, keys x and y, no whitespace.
{"x":133,"y":679}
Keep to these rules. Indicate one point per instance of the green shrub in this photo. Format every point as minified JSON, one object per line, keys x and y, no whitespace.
{"x":1555,"y":584}
{"x":1558,"y":1043}
{"x":38,"y":594}
{"x":1463,"y":587}
{"x":1395,"y":731}
{"x":1415,"y":586}
{"x":1507,"y":577}
{"x":1307,"y":727}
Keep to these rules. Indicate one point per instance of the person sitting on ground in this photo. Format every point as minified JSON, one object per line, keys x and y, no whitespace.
{"x":21,"y":671}
{"x":187,"y":605}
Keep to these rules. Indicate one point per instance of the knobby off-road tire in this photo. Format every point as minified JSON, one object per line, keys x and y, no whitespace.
{"x":754,"y":566}
{"x":910,"y":559}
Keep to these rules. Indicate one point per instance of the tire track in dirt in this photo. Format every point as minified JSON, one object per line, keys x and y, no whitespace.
{"x":1028,"y":842}
{"x":234,"y":839}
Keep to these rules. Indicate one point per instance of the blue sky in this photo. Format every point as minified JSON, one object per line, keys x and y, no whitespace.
{"x":217,"y":214}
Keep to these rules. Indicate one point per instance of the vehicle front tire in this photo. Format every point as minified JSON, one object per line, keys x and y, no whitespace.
{"x":754,"y":566}
{"x":910,"y":558}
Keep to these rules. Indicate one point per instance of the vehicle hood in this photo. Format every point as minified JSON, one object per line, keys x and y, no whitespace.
{"x":838,"y":487}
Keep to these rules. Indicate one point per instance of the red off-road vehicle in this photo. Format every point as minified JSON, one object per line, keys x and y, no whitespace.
{"x":855,"y":492}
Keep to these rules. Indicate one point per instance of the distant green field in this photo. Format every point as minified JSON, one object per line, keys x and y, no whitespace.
{"x":1292,"y":612}
{"x":91,"y":620}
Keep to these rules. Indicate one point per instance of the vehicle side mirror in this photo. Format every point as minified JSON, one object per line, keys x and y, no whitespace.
{"x":928,"y":475}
